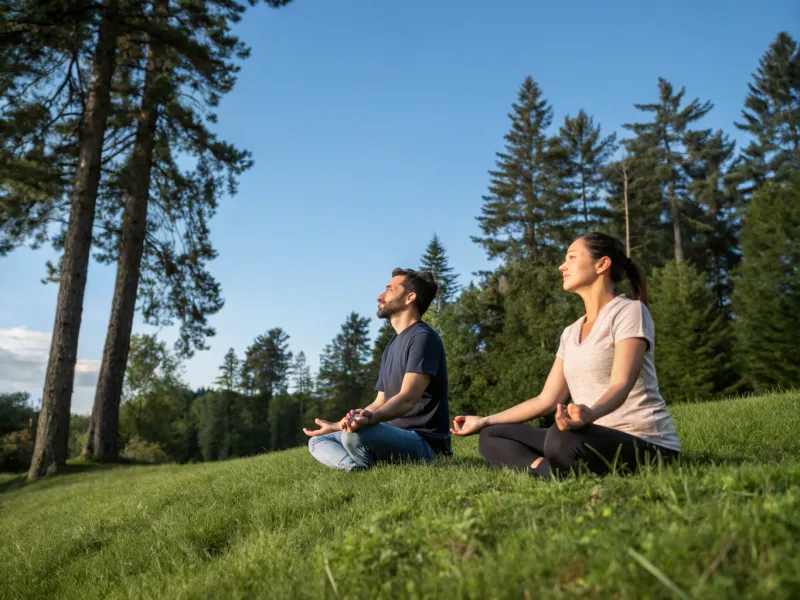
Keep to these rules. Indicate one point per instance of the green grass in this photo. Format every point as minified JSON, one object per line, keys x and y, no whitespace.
{"x":723,"y":523}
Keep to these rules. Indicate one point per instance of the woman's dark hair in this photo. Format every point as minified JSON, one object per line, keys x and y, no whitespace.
{"x":600,"y":245}
{"x":422,"y":283}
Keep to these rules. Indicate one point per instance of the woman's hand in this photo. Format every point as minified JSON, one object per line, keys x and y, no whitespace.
{"x":468,"y":425}
{"x":573,"y":416}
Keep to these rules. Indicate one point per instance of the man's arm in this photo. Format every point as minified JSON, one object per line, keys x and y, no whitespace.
{"x":414,"y":385}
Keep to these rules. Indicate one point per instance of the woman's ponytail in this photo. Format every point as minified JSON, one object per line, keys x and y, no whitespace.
{"x":622,"y":267}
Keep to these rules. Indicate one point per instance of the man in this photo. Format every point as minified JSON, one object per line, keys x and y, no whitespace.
{"x":409,"y":419}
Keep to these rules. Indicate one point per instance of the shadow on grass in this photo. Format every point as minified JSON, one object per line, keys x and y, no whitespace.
{"x":77,"y":467}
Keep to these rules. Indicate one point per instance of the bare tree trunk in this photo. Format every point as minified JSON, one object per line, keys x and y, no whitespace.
{"x":52,"y":437}
{"x":627,"y":216}
{"x":675,"y":214}
{"x":101,"y":442}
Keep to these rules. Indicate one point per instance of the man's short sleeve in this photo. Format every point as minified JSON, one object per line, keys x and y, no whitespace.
{"x":634,"y":321}
{"x":424,"y":354}
{"x":380,"y":386}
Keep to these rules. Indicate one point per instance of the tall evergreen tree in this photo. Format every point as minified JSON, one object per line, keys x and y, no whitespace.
{"x":228,"y":378}
{"x":586,"y":156}
{"x":714,"y":221}
{"x":693,"y":339}
{"x":435,"y":261}
{"x":52,"y":437}
{"x":766,"y":298}
{"x":640,"y":222}
{"x":344,"y":372}
{"x":525,"y":215}
{"x":771,"y":116}
{"x":302,"y":382}
{"x":269,"y":360}
{"x":180,"y":56}
{"x":663,"y":140}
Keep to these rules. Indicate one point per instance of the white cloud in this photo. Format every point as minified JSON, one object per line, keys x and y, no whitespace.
{"x":23,"y":365}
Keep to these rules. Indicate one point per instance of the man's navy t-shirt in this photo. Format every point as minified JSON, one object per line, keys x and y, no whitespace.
{"x":418,"y":349}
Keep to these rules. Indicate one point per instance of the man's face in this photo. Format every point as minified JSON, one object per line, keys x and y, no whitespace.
{"x":394,"y":299}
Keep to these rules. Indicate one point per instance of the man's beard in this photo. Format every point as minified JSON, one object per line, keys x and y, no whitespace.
{"x":391,"y":308}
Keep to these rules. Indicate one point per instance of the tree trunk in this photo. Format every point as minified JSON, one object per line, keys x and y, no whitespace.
{"x":101,"y":442}
{"x":627,"y":215}
{"x":675,"y":214}
{"x":52,"y":437}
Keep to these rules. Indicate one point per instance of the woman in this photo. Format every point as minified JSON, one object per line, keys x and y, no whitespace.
{"x":617,"y":418}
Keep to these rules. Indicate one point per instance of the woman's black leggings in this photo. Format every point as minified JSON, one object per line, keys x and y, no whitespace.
{"x":599,"y":449}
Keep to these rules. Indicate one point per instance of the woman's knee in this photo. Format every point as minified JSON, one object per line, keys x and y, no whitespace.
{"x":560,"y":448}
{"x":485,"y":439}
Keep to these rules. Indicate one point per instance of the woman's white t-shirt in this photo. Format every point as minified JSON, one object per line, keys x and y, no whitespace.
{"x":587,"y":368}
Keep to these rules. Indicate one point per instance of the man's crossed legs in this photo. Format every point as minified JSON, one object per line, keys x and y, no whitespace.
{"x":349,"y":451}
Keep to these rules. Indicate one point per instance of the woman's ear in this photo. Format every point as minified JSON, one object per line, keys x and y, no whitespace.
{"x":602,"y":265}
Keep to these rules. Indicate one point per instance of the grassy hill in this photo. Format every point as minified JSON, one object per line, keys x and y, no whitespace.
{"x":724,"y":523}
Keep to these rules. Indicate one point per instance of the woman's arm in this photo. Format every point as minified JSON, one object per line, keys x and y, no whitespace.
{"x":628,"y":360}
{"x":555,"y":391}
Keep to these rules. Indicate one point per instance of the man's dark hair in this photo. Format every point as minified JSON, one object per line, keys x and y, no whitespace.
{"x":422,"y":283}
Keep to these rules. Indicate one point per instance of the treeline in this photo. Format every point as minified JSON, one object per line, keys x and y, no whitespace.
{"x":716,"y":228}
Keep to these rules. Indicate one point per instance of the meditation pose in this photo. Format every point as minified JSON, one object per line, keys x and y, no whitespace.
{"x":409,"y":419}
{"x":604,"y":362}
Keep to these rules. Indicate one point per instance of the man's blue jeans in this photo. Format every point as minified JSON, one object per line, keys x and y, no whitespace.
{"x":381,"y":442}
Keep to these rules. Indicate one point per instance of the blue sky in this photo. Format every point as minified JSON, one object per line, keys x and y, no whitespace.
{"x":372,"y":126}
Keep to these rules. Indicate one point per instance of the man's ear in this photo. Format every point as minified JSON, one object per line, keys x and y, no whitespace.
{"x":410,"y":298}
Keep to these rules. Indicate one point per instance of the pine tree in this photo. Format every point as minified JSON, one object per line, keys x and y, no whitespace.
{"x":640,"y":223}
{"x":525,"y":215}
{"x":766,"y":298}
{"x":52,"y":437}
{"x":229,"y":372}
{"x":179,"y":57}
{"x":269,"y":360}
{"x":586,"y":156}
{"x":344,"y":372}
{"x":302,"y":382}
{"x":772,"y":117}
{"x":693,"y":357}
{"x":435,"y":261}
{"x":714,"y":221}
{"x":663,"y":139}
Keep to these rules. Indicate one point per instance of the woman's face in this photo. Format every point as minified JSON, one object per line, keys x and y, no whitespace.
{"x":579,"y":268}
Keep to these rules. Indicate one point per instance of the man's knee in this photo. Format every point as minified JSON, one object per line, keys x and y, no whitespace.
{"x":352,"y":441}
{"x":561,"y":448}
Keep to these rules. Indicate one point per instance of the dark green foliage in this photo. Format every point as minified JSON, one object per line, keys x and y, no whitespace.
{"x":650,"y":240}
{"x":267,"y":362}
{"x":229,"y":377}
{"x":585,"y":155}
{"x":766,"y":299}
{"x":435,"y":261}
{"x":344,"y":379}
{"x":15,"y":412}
{"x":526,"y":213}
{"x":713,"y":227}
{"x":693,"y":348}
{"x":661,"y":142}
{"x":772,"y":117}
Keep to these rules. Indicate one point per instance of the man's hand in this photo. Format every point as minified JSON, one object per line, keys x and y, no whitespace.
{"x":360,"y":420}
{"x":468,"y":425}
{"x":573,"y":416}
{"x":324,"y":427}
